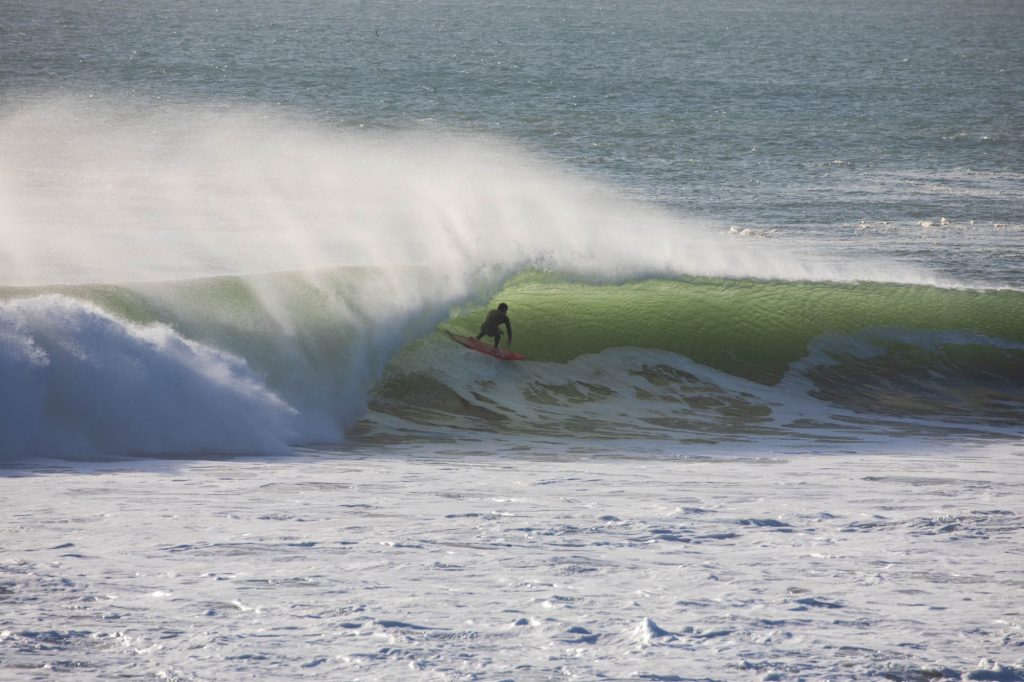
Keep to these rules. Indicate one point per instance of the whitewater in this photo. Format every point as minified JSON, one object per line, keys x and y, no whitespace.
{"x":769,"y":284}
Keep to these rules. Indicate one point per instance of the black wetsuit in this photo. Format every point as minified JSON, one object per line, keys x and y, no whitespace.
{"x":495,"y":319}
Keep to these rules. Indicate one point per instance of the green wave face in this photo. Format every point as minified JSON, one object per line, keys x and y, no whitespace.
{"x":719,"y":362}
{"x":748,"y":328}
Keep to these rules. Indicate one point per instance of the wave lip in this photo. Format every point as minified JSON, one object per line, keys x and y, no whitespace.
{"x":79,"y":382}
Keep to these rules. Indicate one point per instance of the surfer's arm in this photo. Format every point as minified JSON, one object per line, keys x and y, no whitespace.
{"x":508,"y":326}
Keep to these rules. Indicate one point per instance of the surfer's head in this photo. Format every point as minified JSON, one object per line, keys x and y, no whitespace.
{"x":503,"y":307}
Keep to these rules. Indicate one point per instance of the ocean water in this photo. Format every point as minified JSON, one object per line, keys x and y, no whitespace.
{"x":766,"y":260}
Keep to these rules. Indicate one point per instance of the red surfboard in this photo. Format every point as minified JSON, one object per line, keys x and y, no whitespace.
{"x":486,"y":348}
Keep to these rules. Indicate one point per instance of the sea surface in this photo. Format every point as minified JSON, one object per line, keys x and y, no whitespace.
{"x":766,"y":259}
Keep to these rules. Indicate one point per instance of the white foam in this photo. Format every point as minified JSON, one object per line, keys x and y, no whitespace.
{"x":78,"y":381}
{"x":873,"y":546}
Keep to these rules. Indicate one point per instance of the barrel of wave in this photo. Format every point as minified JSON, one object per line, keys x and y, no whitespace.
{"x":749,"y":328}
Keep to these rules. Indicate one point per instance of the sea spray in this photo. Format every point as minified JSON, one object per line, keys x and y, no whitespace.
{"x":142,"y":191}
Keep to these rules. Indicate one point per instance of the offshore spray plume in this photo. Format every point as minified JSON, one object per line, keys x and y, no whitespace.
{"x":126,"y":193}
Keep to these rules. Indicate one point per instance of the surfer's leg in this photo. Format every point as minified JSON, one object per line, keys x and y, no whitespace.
{"x":497,"y":338}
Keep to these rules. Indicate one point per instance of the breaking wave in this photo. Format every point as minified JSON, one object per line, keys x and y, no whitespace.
{"x":215,"y":365}
{"x":181,"y":279}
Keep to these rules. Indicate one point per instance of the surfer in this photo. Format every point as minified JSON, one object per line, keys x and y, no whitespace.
{"x":496,"y":318}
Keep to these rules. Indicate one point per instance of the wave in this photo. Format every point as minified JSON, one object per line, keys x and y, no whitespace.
{"x":79,"y":381}
{"x":750,"y":328}
{"x":726,"y":359}
{"x":256,"y":363}
{"x":314,"y":342}
{"x":182,"y":278}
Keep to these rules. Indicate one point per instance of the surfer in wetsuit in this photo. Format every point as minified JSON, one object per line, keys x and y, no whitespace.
{"x":496,"y":318}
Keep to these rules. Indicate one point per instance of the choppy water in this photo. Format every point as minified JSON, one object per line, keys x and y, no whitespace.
{"x":457,"y":566}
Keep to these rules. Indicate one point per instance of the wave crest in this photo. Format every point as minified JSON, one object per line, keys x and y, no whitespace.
{"x":81,"y":382}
